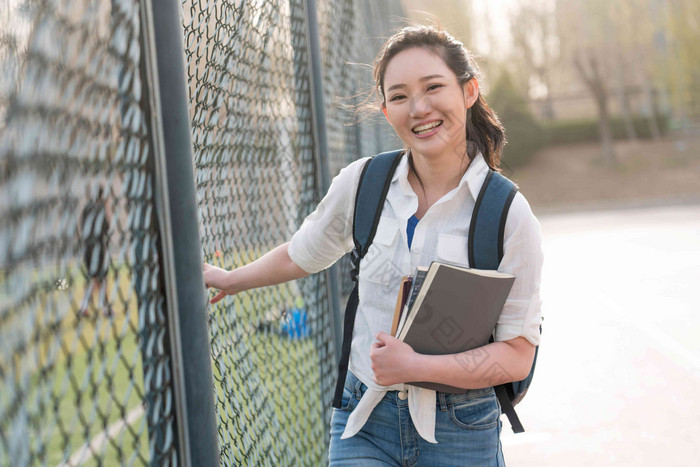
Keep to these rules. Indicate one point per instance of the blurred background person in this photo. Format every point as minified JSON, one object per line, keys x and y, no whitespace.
{"x":94,"y":232}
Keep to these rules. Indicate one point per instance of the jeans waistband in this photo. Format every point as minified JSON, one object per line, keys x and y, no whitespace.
{"x":442,"y":399}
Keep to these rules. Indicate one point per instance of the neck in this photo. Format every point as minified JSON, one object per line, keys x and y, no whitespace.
{"x":440,"y":174}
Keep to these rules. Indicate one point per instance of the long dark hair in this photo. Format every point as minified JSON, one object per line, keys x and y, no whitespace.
{"x":483,"y":128}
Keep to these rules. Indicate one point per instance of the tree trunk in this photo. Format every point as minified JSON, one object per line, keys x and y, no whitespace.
{"x":653,"y":110}
{"x":549,"y":102}
{"x":606,"y":140}
{"x":591,"y":76}
{"x":623,"y":98}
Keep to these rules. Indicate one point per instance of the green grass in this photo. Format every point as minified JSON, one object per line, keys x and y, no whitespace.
{"x":85,"y":374}
{"x":267,"y":386}
{"x":77,"y":374}
{"x":277,"y":408}
{"x":106,"y":385}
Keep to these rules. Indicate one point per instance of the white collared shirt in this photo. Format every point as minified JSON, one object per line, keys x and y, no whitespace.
{"x":441,"y":234}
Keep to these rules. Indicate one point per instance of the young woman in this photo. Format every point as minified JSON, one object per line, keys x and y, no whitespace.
{"x":429,"y":90}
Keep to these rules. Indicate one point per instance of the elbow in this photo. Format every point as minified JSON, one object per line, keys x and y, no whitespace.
{"x":519,"y":370}
{"x":523,"y":357}
{"x":295,"y":271}
{"x":523,"y":370}
{"x":527,"y":359}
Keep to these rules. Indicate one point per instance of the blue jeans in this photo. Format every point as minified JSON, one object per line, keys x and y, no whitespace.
{"x":467,"y":429}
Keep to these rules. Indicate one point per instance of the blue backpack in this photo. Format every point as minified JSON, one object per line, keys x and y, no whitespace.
{"x":485,"y":250}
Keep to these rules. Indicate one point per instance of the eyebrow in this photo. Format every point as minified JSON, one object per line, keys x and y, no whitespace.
{"x":425,"y":78}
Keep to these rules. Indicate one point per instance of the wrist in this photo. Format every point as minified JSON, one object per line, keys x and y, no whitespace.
{"x":233,"y":282}
{"x":420,"y":365}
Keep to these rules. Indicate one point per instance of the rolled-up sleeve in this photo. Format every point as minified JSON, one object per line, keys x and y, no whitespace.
{"x":522,"y":257}
{"x":326,"y":234}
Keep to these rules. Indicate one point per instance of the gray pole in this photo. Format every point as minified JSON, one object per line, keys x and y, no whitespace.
{"x":321,"y":153}
{"x":179,"y":230}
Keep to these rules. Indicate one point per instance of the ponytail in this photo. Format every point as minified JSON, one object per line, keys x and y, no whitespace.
{"x":485,"y":130}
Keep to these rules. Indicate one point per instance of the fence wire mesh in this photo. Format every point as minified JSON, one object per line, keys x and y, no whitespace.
{"x":253,"y":150}
{"x":257,"y":178}
{"x":351,"y":34}
{"x":84,"y":365}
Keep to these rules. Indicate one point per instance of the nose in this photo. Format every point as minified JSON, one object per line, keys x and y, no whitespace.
{"x":419,"y":106}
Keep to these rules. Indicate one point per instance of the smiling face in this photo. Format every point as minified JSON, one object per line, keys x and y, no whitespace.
{"x":425,"y":103}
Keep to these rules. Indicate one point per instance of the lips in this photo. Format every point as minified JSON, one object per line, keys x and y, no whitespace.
{"x":426,"y":127}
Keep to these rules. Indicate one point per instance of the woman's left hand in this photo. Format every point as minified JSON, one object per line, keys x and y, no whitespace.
{"x":392,"y":360}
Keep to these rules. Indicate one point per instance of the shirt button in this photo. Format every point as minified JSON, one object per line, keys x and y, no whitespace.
{"x":403,"y":395}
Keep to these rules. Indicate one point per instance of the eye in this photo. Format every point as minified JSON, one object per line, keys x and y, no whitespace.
{"x":432,"y":87}
{"x":396,"y":97}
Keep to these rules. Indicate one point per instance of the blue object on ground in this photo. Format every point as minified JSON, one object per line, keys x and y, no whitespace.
{"x":295,"y":324}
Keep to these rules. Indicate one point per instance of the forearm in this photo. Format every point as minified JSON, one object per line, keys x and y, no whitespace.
{"x":273,"y":268}
{"x":490,"y":365}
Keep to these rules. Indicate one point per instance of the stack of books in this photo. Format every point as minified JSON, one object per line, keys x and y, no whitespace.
{"x":447,"y":309}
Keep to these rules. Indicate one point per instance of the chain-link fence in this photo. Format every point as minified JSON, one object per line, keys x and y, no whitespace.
{"x":351,"y":34}
{"x":85,"y":375}
{"x":257,"y":177}
{"x":85,"y":363}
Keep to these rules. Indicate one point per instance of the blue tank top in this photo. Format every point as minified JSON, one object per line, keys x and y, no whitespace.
{"x":411,"y":228}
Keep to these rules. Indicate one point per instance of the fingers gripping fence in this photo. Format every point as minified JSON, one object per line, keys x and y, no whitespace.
{"x":88,"y":374}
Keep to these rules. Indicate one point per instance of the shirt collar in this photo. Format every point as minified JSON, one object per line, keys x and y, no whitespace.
{"x":401,"y":174}
{"x":474,"y":176}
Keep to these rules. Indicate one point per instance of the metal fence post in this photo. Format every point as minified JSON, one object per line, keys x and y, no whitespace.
{"x":321,"y":153}
{"x":177,"y":216}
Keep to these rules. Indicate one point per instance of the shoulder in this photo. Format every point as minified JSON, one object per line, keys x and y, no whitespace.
{"x":350,"y":174}
{"x":521,"y":220}
{"x":341,"y":193}
{"x":356,"y":166}
{"x":520,"y":206}
{"x":348,"y":179}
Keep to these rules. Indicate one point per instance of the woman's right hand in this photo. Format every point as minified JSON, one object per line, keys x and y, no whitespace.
{"x":273,"y":268}
{"x":218,"y":278}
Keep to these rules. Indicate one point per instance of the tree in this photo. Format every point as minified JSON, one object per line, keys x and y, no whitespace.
{"x":523,"y":133}
{"x":588,"y":68}
{"x":634,"y":34}
{"x":676,"y":53}
{"x":536,"y":46}
{"x":584,"y":29}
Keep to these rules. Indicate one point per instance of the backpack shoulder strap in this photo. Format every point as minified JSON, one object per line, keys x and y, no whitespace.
{"x":371,"y":192}
{"x":485,"y":249}
{"x":488,"y":223}
{"x":369,"y":199}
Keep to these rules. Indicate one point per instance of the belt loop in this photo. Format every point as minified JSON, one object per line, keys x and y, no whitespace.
{"x":443,"y":402}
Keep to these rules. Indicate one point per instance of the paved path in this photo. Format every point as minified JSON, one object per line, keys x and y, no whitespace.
{"x":618,"y":380}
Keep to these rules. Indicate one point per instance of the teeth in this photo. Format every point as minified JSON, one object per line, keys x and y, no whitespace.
{"x":427,"y":126}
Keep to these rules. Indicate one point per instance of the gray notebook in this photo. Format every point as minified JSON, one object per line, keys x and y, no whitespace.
{"x":455,"y":310}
